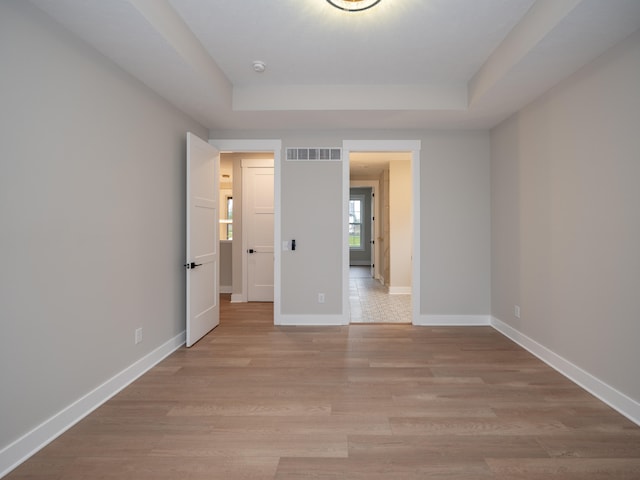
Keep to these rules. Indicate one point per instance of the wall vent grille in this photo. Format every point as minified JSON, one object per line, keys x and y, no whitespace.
{"x":314,"y":154}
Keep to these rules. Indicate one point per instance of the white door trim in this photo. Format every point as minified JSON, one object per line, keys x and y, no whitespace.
{"x":264,"y":145}
{"x":414,"y":147}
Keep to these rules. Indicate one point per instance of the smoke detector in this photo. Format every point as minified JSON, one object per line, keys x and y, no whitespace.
{"x":259,"y":66}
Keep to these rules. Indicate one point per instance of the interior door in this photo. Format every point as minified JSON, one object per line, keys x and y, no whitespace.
{"x":202,"y":263}
{"x":258,"y":219}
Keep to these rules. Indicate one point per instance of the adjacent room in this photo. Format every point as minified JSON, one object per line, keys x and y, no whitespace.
{"x":188,"y":271}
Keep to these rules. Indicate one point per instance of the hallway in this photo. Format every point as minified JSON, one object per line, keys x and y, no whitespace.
{"x":370,"y":303}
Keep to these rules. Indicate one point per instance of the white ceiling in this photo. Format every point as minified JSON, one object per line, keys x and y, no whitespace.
{"x":404,"y":64}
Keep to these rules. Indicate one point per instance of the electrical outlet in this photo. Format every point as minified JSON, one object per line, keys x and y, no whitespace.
{"x":138,"y":335}
{"x":516,"y":311}
{"x":321,"y":298}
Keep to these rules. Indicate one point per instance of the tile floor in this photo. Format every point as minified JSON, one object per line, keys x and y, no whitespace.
{"x":371,"y":303}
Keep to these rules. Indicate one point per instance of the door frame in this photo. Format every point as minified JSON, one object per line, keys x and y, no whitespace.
{"x":263,"y":145}
{"x":412,"y":146}
{"x":374,"y":185}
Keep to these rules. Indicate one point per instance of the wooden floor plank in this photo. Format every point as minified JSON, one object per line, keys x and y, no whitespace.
{"x":256,"y":401}
{"x":565,"y":468}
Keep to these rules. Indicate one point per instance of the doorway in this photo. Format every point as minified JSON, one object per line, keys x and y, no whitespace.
{"x":386,"y":294}
{"x":251,"y":149}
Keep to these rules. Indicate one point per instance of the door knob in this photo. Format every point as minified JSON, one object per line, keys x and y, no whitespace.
{"x":251,"y":250}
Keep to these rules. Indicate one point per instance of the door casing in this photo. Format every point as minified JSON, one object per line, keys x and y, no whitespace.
{"x":412,"y":146}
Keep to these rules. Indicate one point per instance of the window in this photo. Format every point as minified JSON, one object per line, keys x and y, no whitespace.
{"x":226,"y":215}
{"x":356,"y":204}
{"x":229,"y":217}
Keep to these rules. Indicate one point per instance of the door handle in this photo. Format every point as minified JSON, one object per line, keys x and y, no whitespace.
{"x":251,"y":250}
{"x":192,"y":265}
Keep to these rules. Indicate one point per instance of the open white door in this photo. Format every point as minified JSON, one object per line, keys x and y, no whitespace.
{"x":203,"y":271}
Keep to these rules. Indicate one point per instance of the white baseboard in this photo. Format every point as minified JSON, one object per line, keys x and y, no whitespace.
{"x":226,"y":289}
{"x":18,"y":451}
{"x":309,"y":320}
{"x":237,"y":298}
{"x":609,"y":395}
{"x":400,"y":290}
{"x":452,"y":320}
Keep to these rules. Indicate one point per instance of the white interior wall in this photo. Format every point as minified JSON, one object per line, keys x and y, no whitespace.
{"x":92,"y":208}
{"x":455,"y":223}
{"x":226,"y":266}
{"x":384,"y":268}
{"x":565,"y":222}
{"x":400,"y":226}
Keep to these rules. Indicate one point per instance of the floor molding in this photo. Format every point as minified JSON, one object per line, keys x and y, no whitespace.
{"x":452,"y":320}
{"x":609,"y":395}
{"x":237,"y":298}
{"x":24,"y":447}
{"x":309,"y":320}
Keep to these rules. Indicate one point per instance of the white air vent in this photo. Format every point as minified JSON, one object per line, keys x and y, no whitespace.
{"x":313,"y":154}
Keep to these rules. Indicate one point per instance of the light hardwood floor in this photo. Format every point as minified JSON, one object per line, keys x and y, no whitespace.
{"x":254,"y":401}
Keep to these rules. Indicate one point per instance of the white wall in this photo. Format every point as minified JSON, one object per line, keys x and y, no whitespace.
{"x":92,"y":174}
{"x":565,"y":219}
{"x":400,"y":226}
{"x":312,"y":215}
{"x":455,"y":224}
{"x":226,"y":266}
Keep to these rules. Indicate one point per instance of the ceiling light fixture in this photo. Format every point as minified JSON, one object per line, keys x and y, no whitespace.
{"x":259,"y":66}
{"x":353,"y":5}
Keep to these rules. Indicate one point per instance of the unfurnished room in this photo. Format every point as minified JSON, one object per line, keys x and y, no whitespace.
{"x":346,"y":239}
